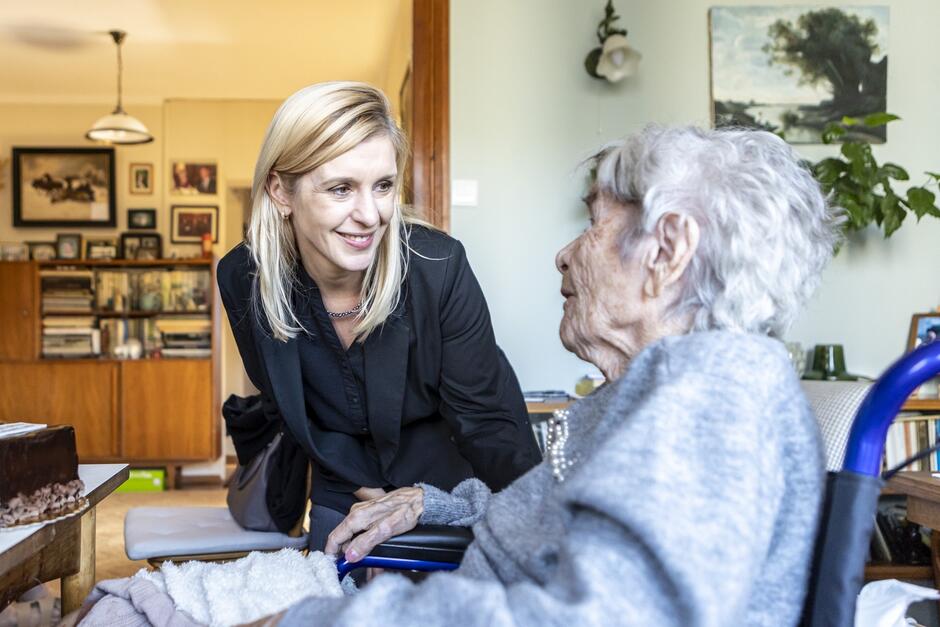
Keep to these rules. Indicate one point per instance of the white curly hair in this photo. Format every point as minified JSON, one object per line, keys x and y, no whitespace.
{"x":767,"y":231}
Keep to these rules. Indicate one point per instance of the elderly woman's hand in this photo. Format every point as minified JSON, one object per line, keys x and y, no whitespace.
{"x":373,"y":522}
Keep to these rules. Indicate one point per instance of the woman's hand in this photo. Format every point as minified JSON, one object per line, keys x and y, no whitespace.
{"x":375,"y":522}
{"x":368,"y":494}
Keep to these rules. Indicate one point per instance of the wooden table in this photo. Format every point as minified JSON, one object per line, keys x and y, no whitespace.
{"x":63,"y":549}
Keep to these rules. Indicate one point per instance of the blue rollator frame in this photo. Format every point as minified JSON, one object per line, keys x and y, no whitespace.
{"x":845,"y":526}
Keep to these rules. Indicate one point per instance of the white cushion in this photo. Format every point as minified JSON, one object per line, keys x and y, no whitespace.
{"x":169,"y":531}
{"x":835,"y":404}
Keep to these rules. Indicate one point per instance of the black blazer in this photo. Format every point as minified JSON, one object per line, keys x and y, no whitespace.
{"x":443,"y":402}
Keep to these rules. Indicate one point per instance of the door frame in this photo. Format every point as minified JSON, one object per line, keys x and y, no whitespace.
{"x":431,"y":111}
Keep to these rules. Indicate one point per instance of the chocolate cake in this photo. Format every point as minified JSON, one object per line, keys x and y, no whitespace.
{"x":39,"y":476}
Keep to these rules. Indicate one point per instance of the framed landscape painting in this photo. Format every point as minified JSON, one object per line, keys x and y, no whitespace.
{"x":63,"y":187}
{"x":795,"y":69}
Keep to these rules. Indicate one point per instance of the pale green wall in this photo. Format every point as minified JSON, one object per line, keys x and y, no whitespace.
{"x":524,"y":113}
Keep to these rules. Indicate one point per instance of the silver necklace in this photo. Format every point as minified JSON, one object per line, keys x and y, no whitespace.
{"x":555,"y":444}
{"x":345,"y":314}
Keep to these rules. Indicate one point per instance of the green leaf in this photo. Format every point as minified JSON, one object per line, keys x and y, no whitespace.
{"x":832,"y":132}
{"x":893,"y":220}
{"x":894,"y":171}
{"x":921,"y":201}
{"x":934,"y":175}
{"x":828,"y":171}
{"x":847,"y":121}
{"x":879,"y":119}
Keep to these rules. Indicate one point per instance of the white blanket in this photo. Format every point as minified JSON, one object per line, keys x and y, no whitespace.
{"x":236,"y":592}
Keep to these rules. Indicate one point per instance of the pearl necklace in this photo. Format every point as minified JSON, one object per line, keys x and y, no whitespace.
{"x":555,"y":444}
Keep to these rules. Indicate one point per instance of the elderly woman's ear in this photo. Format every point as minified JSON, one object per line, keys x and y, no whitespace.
{"x":674,"y":242}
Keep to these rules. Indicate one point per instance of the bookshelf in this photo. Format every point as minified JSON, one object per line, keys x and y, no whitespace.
{"x":63,"y":356}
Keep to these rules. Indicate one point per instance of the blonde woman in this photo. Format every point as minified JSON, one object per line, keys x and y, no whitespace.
{"x":364,"y":329}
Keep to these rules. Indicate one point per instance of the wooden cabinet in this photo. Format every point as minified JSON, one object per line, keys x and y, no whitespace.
{"x":18,"y":315}
{"x":164,"y":404}
{"x":82,"y":394}
{"x":158,"y":410}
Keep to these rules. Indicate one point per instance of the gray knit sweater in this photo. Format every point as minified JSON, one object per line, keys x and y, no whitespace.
{"x":692,"y":499}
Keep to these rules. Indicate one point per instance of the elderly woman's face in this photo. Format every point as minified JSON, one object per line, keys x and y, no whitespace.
{"x":606,"y":316}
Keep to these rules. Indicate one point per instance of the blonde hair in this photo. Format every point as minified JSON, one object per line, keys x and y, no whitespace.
{"x":316,"y":125}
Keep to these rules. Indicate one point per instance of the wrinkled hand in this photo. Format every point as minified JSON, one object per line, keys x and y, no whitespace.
{"x":367,"y":494}
{"x":373,"y":522}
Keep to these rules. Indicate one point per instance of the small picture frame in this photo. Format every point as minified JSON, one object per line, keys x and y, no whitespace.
{"x":41,"y":251}
{"x":101,"y":248}
{"x":130,"y":243}
{"x":189,"y":222}
{"x":151,"y":246}
{"x":194,"y":178}
{"x":925,"y":328}
{"x":14,"y":251}
{"x":68,"y":246}
{"x":142,"y":219}
{"x":141,"y":178}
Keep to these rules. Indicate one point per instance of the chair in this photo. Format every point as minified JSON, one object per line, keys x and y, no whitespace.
{"x":851,"y":497}
{"x":177,"y":534}
{"x":835,"y":404}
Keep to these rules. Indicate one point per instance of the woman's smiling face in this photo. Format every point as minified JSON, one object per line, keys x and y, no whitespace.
{"x":341,"y":210}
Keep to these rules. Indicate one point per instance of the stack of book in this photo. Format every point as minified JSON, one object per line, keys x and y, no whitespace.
{"x":66,"y":291}
{"x":909,"y":434}
{"x":189,"y":336}
{"x":70,"y":336}
{"x":117,"y":331}
{"x":545,"y":396}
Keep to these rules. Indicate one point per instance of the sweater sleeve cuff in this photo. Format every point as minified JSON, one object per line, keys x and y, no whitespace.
{"x":462,"y":507}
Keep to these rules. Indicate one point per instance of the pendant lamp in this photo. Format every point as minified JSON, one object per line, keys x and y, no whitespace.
{"x":118,"y":127}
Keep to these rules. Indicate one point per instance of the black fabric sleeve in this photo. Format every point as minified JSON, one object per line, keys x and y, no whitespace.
{"x":480,"y":396}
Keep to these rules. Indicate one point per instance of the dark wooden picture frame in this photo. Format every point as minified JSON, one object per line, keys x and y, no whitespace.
{"x":185,"y":230}
{"x":142,"y":219}
{"x":76,"y":240}
{"x":82,"y":176}
{"x":43,"y":249}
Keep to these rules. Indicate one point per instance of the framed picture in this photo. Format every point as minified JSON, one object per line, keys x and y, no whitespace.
{"x":925,"y":328}
{"x":189,"y":222}
{"x":101,"y":248}
{"x":198,"y":177}
{"x":130,"y":243}
{"x":794,"y":69}
{"x":41,"y":251}
{"x":141,"y":180}
{"x":68,"y":246}
{"x":63,"y":187}
{"x":142,"y":219}
{"x":14,"y":251}
{"x":151,"y":246}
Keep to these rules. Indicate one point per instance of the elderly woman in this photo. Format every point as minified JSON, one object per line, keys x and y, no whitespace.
{"x":686,"y":490}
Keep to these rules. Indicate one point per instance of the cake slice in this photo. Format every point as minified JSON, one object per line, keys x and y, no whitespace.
{"x":38,"y":474}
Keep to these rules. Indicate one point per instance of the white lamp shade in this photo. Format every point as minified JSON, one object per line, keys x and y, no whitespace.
{"x":618,"y":59}
{"x":119,"y":128}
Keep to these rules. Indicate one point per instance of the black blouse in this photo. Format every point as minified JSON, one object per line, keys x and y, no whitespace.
{"x":428,"y":397}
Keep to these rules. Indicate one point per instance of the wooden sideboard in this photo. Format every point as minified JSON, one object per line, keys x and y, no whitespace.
{"x":140,"y":411}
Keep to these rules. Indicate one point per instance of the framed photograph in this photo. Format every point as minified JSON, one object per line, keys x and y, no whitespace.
{"x":130,"y":243}
{"x":925,"y":328}
{"x":41,"y":251}
{"x":193,"y":178}
{"x":189,"y":222}
{"x":14,"y":251}
{"x":794,"y":69}
{"x":68,"y":246}
{"x":142,"y":219}
{"x":151,"y":246}
{"x":64,"y":187}
{"x":101,"y":248}
{"x":141,"y":180}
